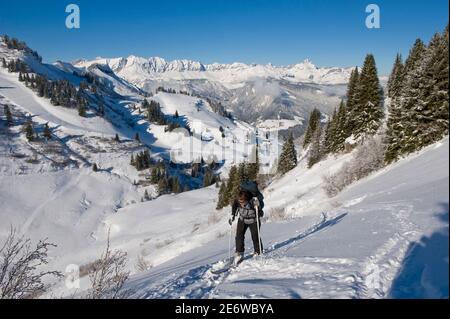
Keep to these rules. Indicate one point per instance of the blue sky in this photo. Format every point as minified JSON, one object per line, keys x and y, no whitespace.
{"x":330,"y":33}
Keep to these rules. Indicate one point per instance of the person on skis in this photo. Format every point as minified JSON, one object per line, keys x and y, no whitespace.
{"x":248,"y":207}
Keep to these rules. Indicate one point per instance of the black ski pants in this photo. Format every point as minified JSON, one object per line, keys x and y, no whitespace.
{"x":240,"y":236}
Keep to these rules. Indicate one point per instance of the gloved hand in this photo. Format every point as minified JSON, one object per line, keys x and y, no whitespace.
{"x":256,"y":202}
{"x":231,"y":220}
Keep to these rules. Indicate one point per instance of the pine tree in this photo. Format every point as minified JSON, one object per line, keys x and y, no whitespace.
{"x":176,"y":186}
{"x":401,"y":122}
{"x":253,"y":166}
{"x":433,"y":117}
{"x":368,"y":100}
{"x":8,"y":115}
{"x":223,"y":197}
{"x":415,"y":55}
{"x":146,"y":196}
{"x":116,"y":138}
{"x":395,"y":78}
{"x":29,"y":131}
{"x":154,"y":176}
{"x":47,"y":133}
{"x":95,"y":167}
{"x":315,"y":152}
{"x":176,"y":114}
{"x":208,"y":178}
{"x":314,"y":121}
{"x":196,"y":169}
{"x":340,"y":132}
{"x":288,"y":157}
{"x":351,"y":105}
{"x":154,"y":113}
{"x":242,"y":172}
{"x":163,"y":185}
{"x":82,"y":110}
{"x":132,"y":161}
{"x":137,"y":138}
{"x":329,"y":133}
{"x":420,"y":116}
{"x":4,"y":64}
{"x":234,"y":184}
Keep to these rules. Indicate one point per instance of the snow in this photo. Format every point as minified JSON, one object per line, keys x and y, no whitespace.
{"x":137,"y":69}
{"x":276,"y":125}
{"x":201,"y":118}
{"x":384,"y":237}
{"x":251,"y":91}
{"x":207,"y":140}
{"x":45,"y":111}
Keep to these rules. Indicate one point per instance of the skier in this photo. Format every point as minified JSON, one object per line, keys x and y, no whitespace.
{"x":248,"y":207}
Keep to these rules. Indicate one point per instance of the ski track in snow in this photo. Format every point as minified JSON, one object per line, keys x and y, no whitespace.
{"x":383,"y":227}
{"x":299,"y":277}
{"x":381,"y":268}
{"x":200,"y":282}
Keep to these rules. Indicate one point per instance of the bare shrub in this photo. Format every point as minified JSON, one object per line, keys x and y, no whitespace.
{"x":142,"y":264}
{"x":109,"y":275}
{"x":88,"y":268}
{"x":19,"y":264}
{"x":368,"y":158}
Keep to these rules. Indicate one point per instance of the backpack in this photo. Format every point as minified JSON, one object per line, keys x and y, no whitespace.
{"x":252,"y":188}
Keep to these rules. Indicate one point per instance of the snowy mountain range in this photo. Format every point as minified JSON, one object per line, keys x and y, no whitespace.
{"x":254,"y":92}
{"x":136,"y":69}
{"x":384,"y":236}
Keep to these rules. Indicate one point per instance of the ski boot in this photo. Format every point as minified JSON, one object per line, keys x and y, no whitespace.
{"x":238,"y":258}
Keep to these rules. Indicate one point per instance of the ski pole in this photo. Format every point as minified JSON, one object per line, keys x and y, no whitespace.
{"x":229,"y":242}
{"x":259,"y":234}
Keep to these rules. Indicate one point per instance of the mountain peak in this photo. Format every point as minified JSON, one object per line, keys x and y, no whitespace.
{"x":134,"y":68}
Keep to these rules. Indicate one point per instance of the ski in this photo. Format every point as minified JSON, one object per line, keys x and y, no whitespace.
{"x":228,"y":266}
{"x":222,"y":270}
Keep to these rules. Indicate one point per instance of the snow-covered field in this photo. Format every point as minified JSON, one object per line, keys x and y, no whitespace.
{"x":384,"y":237}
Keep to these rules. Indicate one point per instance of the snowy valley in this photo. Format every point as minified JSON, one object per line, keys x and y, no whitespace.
{"x":141,"y":163}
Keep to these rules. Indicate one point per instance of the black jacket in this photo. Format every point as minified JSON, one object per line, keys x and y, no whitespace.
{"x":236,"y":205}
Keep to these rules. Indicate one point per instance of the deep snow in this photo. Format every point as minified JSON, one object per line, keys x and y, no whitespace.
{"x":386,"y":236}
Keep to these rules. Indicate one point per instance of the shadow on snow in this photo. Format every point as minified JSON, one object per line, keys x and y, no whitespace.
{"x":424,"y":273}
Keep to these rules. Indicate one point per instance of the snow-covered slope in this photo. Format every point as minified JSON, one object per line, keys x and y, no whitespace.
{"x":384,"y":237}
{"x":120,"y":97}
{"x":43,"y":109}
